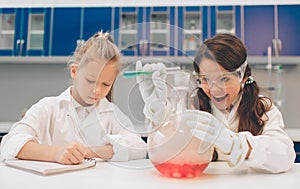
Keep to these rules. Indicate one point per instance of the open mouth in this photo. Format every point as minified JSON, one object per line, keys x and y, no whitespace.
{"x":220,"y":99}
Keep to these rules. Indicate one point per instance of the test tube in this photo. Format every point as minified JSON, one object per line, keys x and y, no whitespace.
{"x":134,"y":73}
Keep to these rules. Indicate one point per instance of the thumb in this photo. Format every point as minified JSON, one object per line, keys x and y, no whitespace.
{"x":138,"y":66}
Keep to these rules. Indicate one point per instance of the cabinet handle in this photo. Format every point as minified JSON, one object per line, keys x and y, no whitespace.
{"x":80,"y":42}
{"x":143,"y":46}
{"x":277,"y":46}
{"x":20,"y":43}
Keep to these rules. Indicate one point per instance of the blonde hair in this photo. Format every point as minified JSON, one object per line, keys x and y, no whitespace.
{"x":98,"y":47}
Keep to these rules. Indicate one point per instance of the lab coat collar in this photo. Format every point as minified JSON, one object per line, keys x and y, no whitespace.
{"x":103,"y":106}
{"x":228,"y":118}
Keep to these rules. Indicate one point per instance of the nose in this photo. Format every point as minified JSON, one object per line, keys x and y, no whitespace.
{"x":214,"y":86}
{"x":97,"y":89}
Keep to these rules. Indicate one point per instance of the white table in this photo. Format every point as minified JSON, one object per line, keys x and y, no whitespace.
{"x":140,"y":174}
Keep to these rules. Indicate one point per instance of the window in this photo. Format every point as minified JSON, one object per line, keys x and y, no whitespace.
{"x":36,"y":31}
{"x":7,"y":31}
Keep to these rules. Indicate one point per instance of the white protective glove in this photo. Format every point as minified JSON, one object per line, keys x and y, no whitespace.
{"x":153,"y":89}
{"x":209,"y":129}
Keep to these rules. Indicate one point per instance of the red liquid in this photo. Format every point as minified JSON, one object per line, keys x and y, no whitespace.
{"x":180,"y":171}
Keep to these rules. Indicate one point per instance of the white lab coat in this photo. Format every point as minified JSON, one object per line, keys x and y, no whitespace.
{"x":53,"y":121}
{"x":272,"y":151}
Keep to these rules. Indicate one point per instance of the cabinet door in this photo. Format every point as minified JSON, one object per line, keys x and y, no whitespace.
{"x":128,"y":30}
{"x":289,"y":29}
{"x":161,"y":37}
{"x":24,"y":31}
{"x":259,"y":29}
{"x":7,"y":31}
{"x":66,"y":30}
{"x":189,"y":30}
{"x":225,"y":20}
{"x":145,"y":31}
{"x":96,"y":19}
{"x":38,"y":30}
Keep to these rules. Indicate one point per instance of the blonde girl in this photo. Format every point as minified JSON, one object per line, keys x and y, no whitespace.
{"x":81,"y":122}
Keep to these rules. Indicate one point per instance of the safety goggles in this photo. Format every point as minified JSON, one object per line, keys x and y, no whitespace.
{"x":221,"y":79}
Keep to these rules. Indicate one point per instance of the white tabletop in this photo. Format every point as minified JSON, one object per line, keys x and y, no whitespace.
{"x":141,"y":174}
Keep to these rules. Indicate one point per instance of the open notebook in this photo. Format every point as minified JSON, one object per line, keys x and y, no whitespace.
{"x":47,"y":168}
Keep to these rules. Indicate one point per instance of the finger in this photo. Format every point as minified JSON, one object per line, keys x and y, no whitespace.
{"x":82,"y":149}
{"x":76,"y":157}
{"x":138,"y":66}
{"x":159,"y":73}
{"x":161,"y":67}
{"x":66,"y":161}
{"x":158,"y":81}
{"x":158,"y":67}
{"x":67,"y":158}
{"x":198,"y":112}
{"x":79,"y":151}
{"x":160,"y":88}
{"x":75,"y":154}
{"x":73,"y":159}
{"x":200,"y":116}
{"x":147,"y":68}
{"x":202,"y":135}
{"x":203,"y":127}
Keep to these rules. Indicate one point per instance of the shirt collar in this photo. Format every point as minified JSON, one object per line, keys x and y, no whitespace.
{"x":229,"y":116}
{"x":103,"y":106}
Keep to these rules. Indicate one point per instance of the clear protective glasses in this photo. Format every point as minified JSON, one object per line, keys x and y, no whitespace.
{"x":221,"y":79}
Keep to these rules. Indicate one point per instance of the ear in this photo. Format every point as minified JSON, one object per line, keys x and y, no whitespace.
{"x":73,"y":70}
{"x":244,"y":80}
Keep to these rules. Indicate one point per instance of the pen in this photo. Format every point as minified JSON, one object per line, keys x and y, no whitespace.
{"x":134,"y":73}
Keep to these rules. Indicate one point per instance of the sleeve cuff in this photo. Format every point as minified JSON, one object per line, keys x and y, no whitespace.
{"x":11,"y":148}
{"x":120,"y":150}
{"x":257,"y":155}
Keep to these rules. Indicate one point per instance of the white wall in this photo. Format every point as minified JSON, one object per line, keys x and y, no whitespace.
{"x":22,"y":85}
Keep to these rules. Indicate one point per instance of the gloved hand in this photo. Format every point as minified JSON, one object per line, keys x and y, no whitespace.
{"x":209,"y":129}
{"x":153,"y":90}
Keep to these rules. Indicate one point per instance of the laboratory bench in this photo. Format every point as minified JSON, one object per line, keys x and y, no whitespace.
{"x":141,"y":174}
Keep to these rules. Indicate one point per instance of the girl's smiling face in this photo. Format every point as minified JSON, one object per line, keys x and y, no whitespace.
{"x":221,"y":86}
{"x":93,"y":81}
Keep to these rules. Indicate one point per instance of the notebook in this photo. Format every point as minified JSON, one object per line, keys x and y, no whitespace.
{"x":47,"y":168}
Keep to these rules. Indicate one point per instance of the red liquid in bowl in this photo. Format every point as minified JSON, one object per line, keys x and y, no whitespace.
{"x":180,"y":171}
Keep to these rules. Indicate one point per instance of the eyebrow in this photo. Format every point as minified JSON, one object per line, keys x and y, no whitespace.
{"x":110,"y":81}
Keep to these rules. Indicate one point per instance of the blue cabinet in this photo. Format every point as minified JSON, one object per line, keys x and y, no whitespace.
{"x":66,"y":30}
{"x":148,"y":31}
{"x":196,"y":24}
{"x":259,"y":29}
{"x":96,"y":19}
{"x":190,"y":30}
{"x":289,"y":29}
{"x":275,"y":26}
{"x":24,"y":31}
{"x":297,"y":149}
{"x":127,"y":29}
{"x":72,"y":26}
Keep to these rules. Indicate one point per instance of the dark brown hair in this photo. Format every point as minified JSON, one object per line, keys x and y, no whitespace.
{"x":229,"y":52}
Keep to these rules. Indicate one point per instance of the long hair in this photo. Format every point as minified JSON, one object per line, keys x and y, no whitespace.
{"x":229,"y":52}
{"x":99,"y":46}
